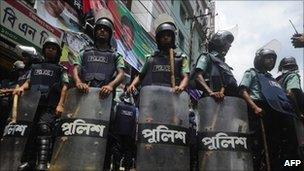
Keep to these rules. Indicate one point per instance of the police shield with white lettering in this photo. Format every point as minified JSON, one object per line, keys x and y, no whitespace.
{"x":16,"y":135}
{"x":224,"y":141}
{"x":162,"y":132}
{"x":50,"y":79}
{"x":82,"y":131}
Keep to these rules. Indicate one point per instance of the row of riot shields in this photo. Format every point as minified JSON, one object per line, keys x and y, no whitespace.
{"x":162,"y":133}
{"x":16,"y":134}
{"x":80,"y":134}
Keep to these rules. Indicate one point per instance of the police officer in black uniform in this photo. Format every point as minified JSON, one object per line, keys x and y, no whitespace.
{"x":212,"y":74}
{"x":51,"y":80}
{"x":267,"y":101}
{"x":124,"y":129}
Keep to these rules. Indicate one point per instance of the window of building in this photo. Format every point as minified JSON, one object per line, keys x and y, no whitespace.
{"x":172,"y":2}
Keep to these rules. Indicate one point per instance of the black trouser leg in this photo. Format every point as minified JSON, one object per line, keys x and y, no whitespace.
{"x":44,"y":138}
{"x":128,"y":151}
{"x":117,"y":152}
{"x":193,"y":150}
{"x":29,"y":156}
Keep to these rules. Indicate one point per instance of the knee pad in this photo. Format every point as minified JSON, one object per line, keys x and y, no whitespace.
{"x":44,"y":129}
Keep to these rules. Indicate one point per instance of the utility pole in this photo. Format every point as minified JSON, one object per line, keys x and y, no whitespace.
{"x":193,"y":22}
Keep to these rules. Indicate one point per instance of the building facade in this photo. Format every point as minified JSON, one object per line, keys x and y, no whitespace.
{"x":26,"y":22}
{"x":194,"y":19}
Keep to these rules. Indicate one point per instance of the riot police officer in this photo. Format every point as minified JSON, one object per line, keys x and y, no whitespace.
{"x":6,"y":88}
{"x":267,"y":101}
{"x":124,"y":129}
{"x":29,"y":56}
{"x":156,"y":70}
{"x":18,"y":76}
{"x":212,"y":74}
{"x":51,"y":80}
{"x":100,"y":65}
{"x":291,"y":82}
{"x":164,"y":72}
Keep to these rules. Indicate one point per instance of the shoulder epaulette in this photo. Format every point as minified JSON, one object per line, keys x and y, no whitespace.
{"x":63,"y":67}
{"x":183,"y":55}
{"x":88,"y":48}
{"x":148,"y":56}
{"x":117,"y":54}
{"x":252,"y":70}
{"x":178,"y":54}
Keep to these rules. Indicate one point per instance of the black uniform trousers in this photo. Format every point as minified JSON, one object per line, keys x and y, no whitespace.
{"x":44,"y":115}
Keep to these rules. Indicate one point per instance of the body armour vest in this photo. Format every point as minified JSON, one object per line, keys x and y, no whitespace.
{"x":125,"y":121}
{"x":220,"y":75}
{"x":281,"y":79}
{"x":274,"y":95}
{"x":98,"y":65}
{"x":159,"y":72}
{"x":46,"y":78}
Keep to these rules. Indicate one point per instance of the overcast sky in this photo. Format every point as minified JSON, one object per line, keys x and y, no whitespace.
{"x":258,"y":23}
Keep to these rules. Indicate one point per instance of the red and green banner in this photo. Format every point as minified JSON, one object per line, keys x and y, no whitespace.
{"x":133,"y":42}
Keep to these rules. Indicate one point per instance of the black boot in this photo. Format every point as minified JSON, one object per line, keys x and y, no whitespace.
{"x":26,"y":166}
{"x":29,"y":156}
{"x":116,"y":159}
{"x":43,"y":153}
{"x":127,"y":162}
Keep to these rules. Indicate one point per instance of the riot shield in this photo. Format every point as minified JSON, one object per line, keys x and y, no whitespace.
{"x":81,"y":132}
{"x":162,"y":131}
{"x":15,"y":135}
{"x":224,"y":135}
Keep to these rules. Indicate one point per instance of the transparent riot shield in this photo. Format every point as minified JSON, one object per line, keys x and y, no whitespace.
{"x":162,"y":131}
{"x":81,"y":132}
{"x":224,"y":142}
{"x":15,"y":135}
